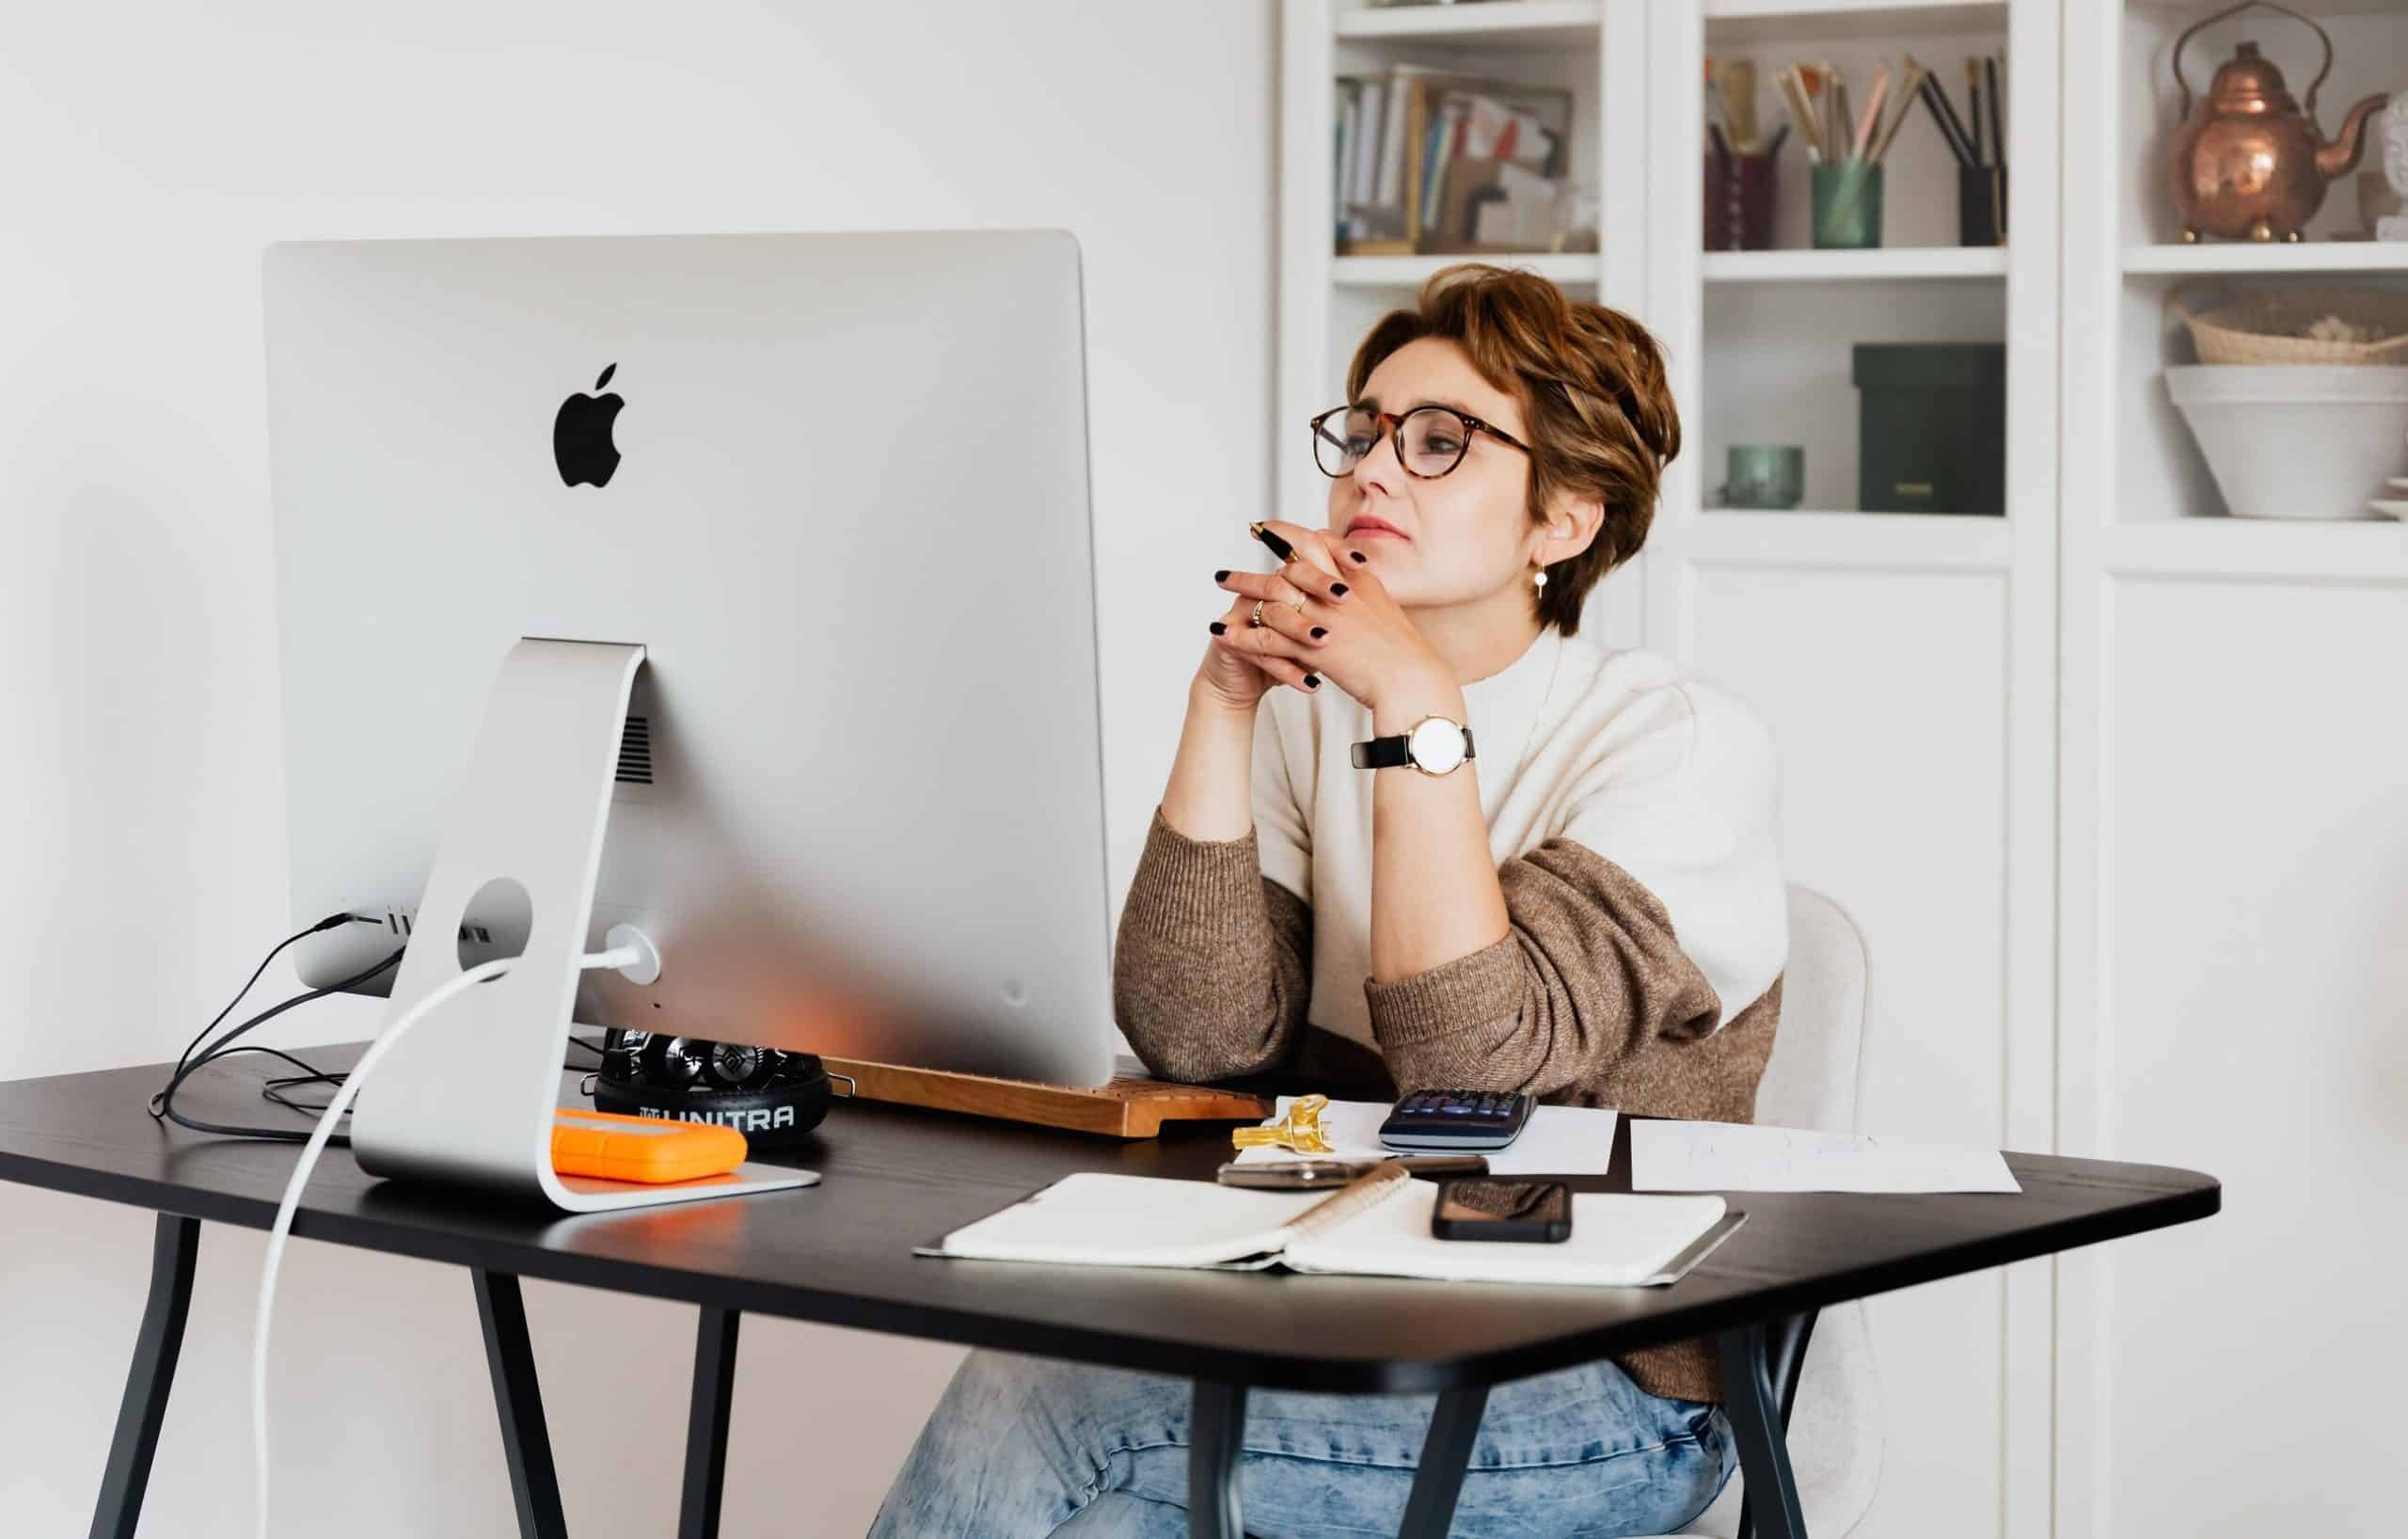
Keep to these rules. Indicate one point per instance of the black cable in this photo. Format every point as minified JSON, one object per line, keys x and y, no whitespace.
{"x":272,"y":1089}
{"x":331,"y":921}
{"x":163,"y":1101}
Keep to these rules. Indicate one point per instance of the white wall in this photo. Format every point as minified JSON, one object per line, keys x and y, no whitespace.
{"x":149,"y":153}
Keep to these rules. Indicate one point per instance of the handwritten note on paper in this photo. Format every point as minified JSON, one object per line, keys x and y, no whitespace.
{"x":1556,"y":1141}
{"x":1734,"y":1157}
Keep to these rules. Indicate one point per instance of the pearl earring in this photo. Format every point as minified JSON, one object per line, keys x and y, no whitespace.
{"x":1538,"y":582}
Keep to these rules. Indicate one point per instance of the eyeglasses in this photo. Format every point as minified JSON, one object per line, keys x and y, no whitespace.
{"x":1431,"y":440}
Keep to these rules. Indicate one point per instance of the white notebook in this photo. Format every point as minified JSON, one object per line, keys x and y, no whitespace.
{"x":1378,"y":1225}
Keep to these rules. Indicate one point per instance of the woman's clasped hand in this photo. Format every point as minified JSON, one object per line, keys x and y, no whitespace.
{"x":1325,"y":616}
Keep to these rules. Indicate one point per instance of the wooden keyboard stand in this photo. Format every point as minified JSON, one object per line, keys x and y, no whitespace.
{"x":1127,"y":1107}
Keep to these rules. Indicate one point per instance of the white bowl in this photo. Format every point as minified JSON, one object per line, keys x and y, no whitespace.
{"x":2296,"y":440}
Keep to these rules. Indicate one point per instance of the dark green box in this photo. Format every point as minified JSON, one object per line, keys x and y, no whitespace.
{"x":1931,"y":427}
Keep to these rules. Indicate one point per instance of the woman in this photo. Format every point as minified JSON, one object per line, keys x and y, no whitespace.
{"x":1587,"y":906}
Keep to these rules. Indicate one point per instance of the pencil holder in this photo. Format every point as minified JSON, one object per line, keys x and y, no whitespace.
{"x":1739,"y":202}
{"x":1847,"y":205}
{"x":1981,"y":205}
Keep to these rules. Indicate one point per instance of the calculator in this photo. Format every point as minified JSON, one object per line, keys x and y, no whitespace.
{"x":1456,"y":1120}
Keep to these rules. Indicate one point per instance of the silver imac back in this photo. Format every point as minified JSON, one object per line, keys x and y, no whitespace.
{"x":836,"y":486}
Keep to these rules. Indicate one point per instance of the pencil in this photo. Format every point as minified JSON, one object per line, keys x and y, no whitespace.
{"x":1718,"y":123}
{"x":1998,"y":120}
{"x":1935,"y":102}
{"x":1872,"y":113}
{"x":1909,"y":88}
{"x":1835,"y":119}
{"x":1948,"y":110}
{"x":1802,"y":110}
{"x":1740,"y":103}
{"x":1973,"y":108}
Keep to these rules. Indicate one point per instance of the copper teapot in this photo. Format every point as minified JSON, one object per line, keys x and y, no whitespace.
{"x":2251,"y":163}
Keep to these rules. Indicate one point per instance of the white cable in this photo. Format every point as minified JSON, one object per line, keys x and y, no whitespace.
{"x":622,"y":956}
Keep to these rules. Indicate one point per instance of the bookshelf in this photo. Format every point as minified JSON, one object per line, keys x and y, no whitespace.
{"x":1573,"y":269}
{"x":2169,"y":606}
{"x":1758,"y":22}
{"x":2128,"y":264}
{"x":2281,"y":256}
{"x":1511,"y":23}
{"x":1931,"y":261}
{"x":2026,"y":750}
{"x":1820,"y":611}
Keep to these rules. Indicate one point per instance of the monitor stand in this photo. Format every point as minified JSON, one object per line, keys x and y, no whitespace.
{"x":467,"y":1096}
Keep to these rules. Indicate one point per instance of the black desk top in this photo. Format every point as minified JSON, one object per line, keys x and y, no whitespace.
{"x":840,"y":1252}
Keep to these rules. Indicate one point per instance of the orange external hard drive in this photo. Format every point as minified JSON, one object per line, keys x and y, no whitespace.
{"x":652,"y":1149}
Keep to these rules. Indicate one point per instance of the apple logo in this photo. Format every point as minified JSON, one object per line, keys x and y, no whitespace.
{"x":581,"y":445}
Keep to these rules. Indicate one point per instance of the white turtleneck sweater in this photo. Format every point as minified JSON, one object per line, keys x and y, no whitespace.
{"x":1620,"y":751}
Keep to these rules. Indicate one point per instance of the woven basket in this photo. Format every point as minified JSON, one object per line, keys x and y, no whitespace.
{"x":2270,"y":327}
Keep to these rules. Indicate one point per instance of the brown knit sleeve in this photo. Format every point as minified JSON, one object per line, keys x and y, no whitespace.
{"x":1212,"y":973}
{"x":1589,"y":976}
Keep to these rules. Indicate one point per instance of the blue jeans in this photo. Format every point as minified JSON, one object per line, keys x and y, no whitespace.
{"x":1024,"y":1447}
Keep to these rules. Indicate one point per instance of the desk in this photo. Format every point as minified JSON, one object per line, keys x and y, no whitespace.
{"x":840,"y":1253}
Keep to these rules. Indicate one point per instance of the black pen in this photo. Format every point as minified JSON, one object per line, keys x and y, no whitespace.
{"x":1998,"y":120}
{"x":1944,"y":113}
{"x":1279,"y":547}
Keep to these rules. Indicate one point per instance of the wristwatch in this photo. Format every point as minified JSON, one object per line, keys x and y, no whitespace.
{"x":1435,"y":746}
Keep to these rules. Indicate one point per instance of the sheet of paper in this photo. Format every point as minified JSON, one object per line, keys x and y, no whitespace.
{"x":1734,"y":1157}
{"x":1556,"y":1141}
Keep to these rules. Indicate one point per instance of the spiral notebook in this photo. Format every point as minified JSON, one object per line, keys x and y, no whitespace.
{"x":1378,"y":1227}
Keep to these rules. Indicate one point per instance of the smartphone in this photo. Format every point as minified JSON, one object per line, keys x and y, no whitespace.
{"x":1536,"y":1211}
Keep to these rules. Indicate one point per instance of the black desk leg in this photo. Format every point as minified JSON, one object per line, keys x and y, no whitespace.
{"x":706,"y":1424}
{"x":525,"y":1445}
{"x":1217,"y":1444}
{"x":174,"y":1246}
{"x":1446,"y":1456}
{"x":1214,"y":1445}
{"x":1759,"y":1417}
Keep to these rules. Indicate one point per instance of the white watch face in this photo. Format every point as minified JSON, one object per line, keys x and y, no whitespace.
{"x":1438,"y":745}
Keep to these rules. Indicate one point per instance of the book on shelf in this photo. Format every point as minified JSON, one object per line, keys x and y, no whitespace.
{"x":1422,"y":155}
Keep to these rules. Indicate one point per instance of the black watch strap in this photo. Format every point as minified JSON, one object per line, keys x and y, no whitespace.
{"x":1393,"y":751}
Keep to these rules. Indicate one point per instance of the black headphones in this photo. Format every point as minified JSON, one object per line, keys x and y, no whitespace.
{"x":772,"y":1097}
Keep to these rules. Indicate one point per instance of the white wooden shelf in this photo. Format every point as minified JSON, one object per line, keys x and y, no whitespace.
{"x":2258,"y":550}
{"x":1503,"y":24}
{"x":1903,"y":542}
{"x":2234,"y":257}
{"x":1930,"y":262}
{"x":2186,"y":11}
{"x":1754,"y":22}
{"x":1567,"y":267}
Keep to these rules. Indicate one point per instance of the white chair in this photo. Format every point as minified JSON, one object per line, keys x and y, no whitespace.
{"x":1813,"y":1081}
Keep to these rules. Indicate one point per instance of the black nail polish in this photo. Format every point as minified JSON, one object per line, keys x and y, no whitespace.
{"x":1338,"y":589}
{"x":1313,"y":680}
{"x":1221,"y":576}
{"x":1218,"y":627}
{"x":1359,"y":556}
{"x":1319,"y":633}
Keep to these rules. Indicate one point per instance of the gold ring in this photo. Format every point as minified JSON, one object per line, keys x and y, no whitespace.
{"x":1257,"y":620}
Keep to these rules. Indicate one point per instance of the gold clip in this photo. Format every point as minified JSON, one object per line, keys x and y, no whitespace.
{"x":1299,"y":1131}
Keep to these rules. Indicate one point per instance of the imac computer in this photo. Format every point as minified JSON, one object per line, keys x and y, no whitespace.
{"x":735,"y":592}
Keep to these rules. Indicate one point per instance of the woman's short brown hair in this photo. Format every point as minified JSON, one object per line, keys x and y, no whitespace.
{"x":1596,"y":408}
